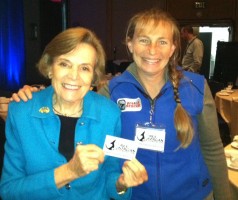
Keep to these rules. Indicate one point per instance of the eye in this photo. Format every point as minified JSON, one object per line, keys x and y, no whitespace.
{"x":144,"y":41}
{"x":163,"y":42}
{"x":64,"y":64}
{"x":85,"y":67}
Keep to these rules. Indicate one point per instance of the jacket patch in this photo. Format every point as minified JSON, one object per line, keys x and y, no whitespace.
{"x":126,"y":104}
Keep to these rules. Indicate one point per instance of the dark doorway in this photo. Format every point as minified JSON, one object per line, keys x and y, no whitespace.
{"x":207,"y":44}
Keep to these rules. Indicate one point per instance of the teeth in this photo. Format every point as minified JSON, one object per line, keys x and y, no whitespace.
{"x":68,"y":86}
{"x":152,"y":61}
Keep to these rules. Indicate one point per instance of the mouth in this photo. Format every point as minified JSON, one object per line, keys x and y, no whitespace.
{"x":152,"y":61}
{"x":70,"y":87}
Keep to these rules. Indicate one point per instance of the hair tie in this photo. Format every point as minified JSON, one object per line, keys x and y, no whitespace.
{"x":178,"y":100}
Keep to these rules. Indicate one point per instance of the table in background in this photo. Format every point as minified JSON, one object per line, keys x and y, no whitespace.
{"x":228,"y":109}
{"x":233,"y":178}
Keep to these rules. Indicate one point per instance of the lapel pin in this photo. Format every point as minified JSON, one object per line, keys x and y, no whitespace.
{"x":44,"y":110}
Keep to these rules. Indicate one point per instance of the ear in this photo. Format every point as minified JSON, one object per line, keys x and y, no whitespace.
{"x":172,"y":50}
{"x":50,"y":74}
{"x":129,"y":45}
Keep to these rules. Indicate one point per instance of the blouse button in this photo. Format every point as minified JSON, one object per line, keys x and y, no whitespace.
{"x":67,"y":186}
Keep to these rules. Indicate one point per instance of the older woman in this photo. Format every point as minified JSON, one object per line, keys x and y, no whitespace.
{"x":54,"y":142}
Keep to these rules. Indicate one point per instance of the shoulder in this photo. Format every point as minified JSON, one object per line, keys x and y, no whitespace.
{"x":193,"y":76}
{"x":38,"y":98}
{"x":104,"y":91}
{"x":198,"y":41}
{"x":101,"y":101}
{"x":196,"y":80}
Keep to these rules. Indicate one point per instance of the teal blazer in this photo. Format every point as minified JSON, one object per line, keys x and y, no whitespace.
{"x":31,"y":150}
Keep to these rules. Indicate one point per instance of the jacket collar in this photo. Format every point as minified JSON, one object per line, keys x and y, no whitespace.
{"x":43,"y":107}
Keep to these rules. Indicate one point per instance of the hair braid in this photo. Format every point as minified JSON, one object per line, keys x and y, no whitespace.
{"x":182,"y":120}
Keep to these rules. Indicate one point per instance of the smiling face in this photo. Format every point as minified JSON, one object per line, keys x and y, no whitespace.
{"x":72,"y":74}
{"x":151,"y":47}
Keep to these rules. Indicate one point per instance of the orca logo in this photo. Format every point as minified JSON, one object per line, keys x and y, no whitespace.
{"x":142,"y":136}
{"x":112,"y":145}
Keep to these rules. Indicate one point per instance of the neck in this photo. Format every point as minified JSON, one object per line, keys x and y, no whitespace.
{"x":192,"y":37}
{"x":67,"y":110}
{"x":153,"y":83}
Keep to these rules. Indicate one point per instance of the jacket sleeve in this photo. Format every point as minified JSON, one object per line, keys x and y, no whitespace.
{"x":212,"y":147}
{"x":197,"y":55}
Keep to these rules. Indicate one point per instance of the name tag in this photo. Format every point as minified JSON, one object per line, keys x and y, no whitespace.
{"x":151,"y":138}
{"x":120,"y":148}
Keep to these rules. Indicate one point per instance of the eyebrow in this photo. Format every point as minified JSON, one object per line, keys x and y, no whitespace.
{"x":160,"y":38}
{"x":64,"y":59}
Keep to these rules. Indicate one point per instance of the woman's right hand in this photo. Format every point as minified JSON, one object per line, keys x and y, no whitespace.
{"x":86,"y":159}
{"x":25,"y":93}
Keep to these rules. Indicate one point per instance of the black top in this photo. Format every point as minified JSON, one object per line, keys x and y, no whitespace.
{"x":67,"y":133}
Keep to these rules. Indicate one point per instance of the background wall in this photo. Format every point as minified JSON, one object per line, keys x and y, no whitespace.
{"x":108,"y":19}
{"x":43,"y":20}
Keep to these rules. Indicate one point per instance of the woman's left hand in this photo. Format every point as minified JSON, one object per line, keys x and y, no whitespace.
{"x":4,"y":107}
{"x":134,"y":174}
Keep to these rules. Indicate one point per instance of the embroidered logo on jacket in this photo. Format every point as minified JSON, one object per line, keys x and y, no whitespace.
{"x":126,"y":104}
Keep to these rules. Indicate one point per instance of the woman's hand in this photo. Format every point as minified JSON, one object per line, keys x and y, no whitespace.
{"x":4,"y":107}
{"x":86,"y":159}
{"x":134,"y":174}
{"x":25,"y":93}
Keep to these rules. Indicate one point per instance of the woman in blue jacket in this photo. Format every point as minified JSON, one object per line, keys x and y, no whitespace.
{"x":171,"y":114}
{"x":54,"y":141}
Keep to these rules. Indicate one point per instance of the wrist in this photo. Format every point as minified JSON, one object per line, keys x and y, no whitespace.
{"x":121,"y":189}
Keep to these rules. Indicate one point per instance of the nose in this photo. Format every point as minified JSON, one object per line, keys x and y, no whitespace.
{"x":152,"y":48}
{"x":73,"y":73}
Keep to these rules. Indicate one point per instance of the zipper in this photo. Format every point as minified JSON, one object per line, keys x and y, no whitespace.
{"x":152,"y":111}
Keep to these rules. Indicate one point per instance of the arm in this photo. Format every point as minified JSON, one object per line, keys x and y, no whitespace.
{"x":197,"y":55}
{"x":4,"y":107}
{"x":212,"y":147}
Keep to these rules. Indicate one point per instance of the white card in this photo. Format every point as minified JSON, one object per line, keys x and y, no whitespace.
{"x":150,"y":138}
{"x":120,"y":148}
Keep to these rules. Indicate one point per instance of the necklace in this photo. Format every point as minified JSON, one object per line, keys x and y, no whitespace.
{"x":68,"y":115}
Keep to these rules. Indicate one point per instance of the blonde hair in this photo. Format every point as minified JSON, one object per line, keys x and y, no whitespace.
{"x":182,"y":120}
{"x":65,"y":42}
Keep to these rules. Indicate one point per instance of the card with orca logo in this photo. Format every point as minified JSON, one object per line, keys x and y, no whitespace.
{"x":120,"y":147}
